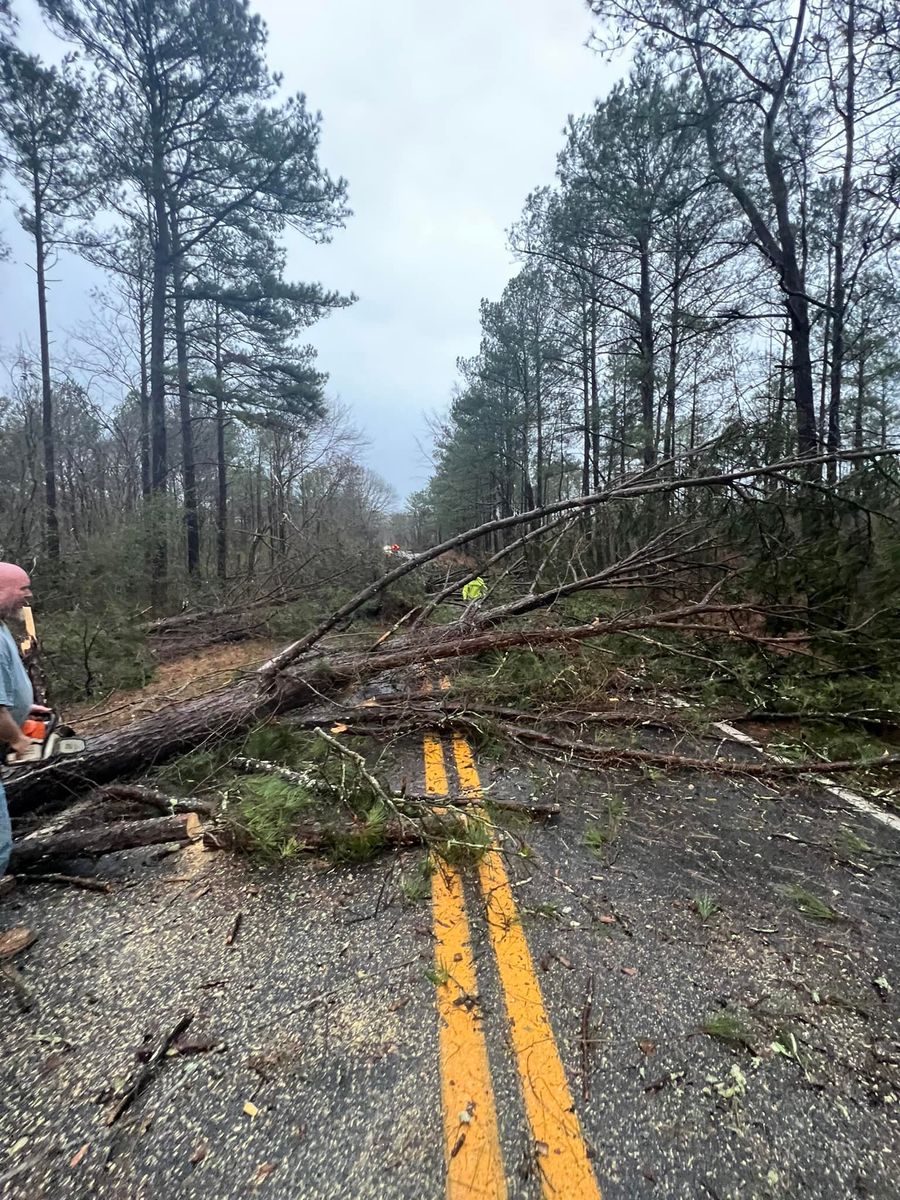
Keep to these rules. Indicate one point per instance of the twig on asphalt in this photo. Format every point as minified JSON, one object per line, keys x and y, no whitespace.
{"x":23,"y":993}
{"x":149,"y":1070}
{"x":76,"y":881}
{"x":231,"y":936}
{"x":586,"y":1041}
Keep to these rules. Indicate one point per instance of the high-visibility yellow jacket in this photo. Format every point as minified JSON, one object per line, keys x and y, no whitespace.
{"x":474,"y":590}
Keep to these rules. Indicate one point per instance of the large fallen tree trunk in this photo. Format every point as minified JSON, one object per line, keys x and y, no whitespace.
{"x":144,"y":743}
{"x":103,"y":839}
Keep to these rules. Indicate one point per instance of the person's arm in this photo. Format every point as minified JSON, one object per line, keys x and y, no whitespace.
{"x":12,"y":734}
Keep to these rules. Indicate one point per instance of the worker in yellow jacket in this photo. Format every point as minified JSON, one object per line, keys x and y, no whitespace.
{"x":474,"y":590}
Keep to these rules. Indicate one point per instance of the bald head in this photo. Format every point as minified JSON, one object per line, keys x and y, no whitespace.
{"x":15,"y":589}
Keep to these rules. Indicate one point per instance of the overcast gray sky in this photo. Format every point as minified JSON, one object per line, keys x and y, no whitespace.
{"x":442,"y":118}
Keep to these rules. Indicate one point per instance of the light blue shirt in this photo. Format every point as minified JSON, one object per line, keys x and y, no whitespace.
{"x":16,"y":692}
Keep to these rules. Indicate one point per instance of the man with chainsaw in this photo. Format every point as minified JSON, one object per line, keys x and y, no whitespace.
{"x":16,"y":693}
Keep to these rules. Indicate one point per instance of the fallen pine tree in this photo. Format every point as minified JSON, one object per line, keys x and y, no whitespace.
{"x":227,"y":712}
{"x":304,"y":674}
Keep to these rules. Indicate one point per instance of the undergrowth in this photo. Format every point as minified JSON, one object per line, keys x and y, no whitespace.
{"x":91,"y":653}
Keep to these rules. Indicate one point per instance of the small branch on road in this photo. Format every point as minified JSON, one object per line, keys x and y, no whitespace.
{"x":586,"y":1040}
{"x":75,"y":881}
{"x":623,"y":756}
{"x":150,"y":1068}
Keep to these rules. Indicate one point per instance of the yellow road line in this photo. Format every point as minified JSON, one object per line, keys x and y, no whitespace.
{"x":562,"y":1155}
{"x":472,"y":1154}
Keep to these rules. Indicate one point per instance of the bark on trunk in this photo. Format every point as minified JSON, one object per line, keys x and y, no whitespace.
{"x":51,"y":516}
{"x":191,"y":512}
{"x":586,"y":402}
{"x":159,"y":465}
{"x":221,"y":462}
{"x":539,"y":483}
{"x":146,"y":481}
{"x":142,"y":744}
{"x":672,"y":372}
{"x":801,"y":363}
{"x":839,"y":302}
{"x":645,"y":323}
{"x":595,"y":401}
{"x":103,"y":839}
{"x":826,"y":359}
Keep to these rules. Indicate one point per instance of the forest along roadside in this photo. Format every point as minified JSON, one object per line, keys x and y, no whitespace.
{"x":713,"y":957}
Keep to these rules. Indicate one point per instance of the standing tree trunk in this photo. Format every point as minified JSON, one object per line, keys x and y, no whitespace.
{"x":860,"y":390}
{"x":221,"y":463}
{"x":509,"y":464}
{"x":191,"y":513}
{"x":613,"y":419}
{"x":51,"y":516}
{"x":695,"y":391}
{"x":826,"y":360}
{"x":672,"y":378}
{"x":159,"y":466}
{"x":645,"y":337}
{"x":146,"y":484}
{"x":586,"y":402}
{"x":595,"y":401}
{"x":839,"y":300}
{"x":539,"y":485}
{"x":672,"y":372}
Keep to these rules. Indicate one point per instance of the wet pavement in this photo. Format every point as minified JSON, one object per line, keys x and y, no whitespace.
{"x":313,"y":1064}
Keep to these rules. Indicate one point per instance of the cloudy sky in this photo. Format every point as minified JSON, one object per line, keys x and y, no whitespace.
{"x":442,"y":118}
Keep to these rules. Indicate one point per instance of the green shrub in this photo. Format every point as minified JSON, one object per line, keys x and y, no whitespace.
{"x":86,"y":654}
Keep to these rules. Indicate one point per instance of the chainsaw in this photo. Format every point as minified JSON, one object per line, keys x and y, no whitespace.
{"x":49,"y":737}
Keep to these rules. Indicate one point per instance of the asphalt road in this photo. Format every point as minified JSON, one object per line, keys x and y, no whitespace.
{"x":352,"y":1043}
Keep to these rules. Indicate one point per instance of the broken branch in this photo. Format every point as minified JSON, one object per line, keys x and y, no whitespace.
{"x":149,"y":1069}
{"x":103,"y":839}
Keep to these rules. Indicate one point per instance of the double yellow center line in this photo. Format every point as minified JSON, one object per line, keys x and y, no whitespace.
{"x":472,"y":1152}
